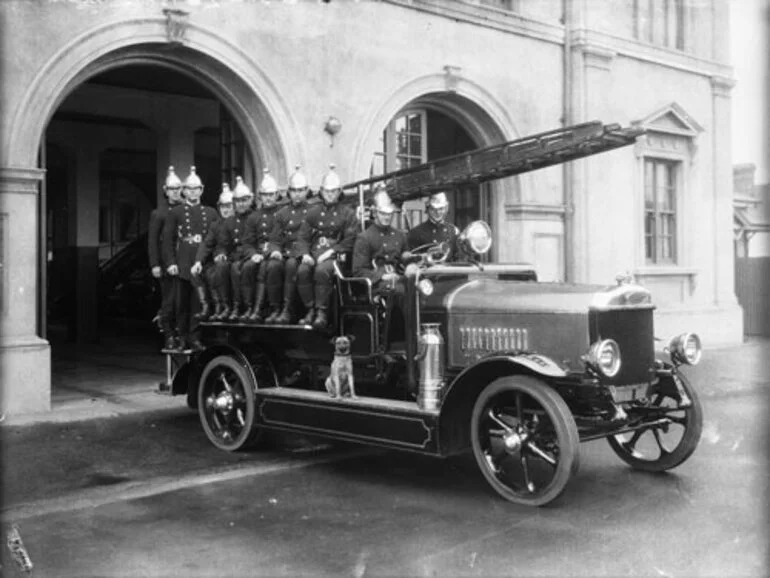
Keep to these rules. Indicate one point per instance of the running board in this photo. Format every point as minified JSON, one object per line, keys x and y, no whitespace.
{"x":373,"y":421}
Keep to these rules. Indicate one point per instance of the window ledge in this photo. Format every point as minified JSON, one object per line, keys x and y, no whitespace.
{"x":666,"y":270}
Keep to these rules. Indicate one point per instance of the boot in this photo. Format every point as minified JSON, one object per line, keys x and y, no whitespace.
{"x":286,"y":316}
{"x":204,"y":313}
{"x":275,"y":312}
{"x":224,"y":313}
{"x":235,"y":312}
{"x":246,"y":316}
{"x":256,"y":315}
{"x":321,"y":320}
{"x":308,"y":318}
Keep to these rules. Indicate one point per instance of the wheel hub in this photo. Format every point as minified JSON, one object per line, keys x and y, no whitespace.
{"x":222,"y":402}
{"x":513,"y":441}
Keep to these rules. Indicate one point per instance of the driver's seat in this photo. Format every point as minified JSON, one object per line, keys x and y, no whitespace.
{"x":360,"y":312}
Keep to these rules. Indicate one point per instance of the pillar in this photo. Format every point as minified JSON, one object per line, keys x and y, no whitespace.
{"x":25,"y":358}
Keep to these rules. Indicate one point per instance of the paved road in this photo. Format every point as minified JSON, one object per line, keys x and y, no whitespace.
{"x":147,"y":496}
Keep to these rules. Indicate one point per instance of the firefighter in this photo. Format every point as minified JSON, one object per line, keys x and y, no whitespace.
{"x":328,"y":233}
{"x":435,"y":230}
{"x":216,"y":272}
{"x":267,"y":272}
{"x":378,"y":254}
{"x":381,"y":249}
{"x":172,"y":190}
{"x":285,"y":247}
{"x":230,"y":247}
{"x":186,"y":228}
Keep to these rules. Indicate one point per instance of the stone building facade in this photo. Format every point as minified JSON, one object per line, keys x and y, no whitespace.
{"x":404,"y":81}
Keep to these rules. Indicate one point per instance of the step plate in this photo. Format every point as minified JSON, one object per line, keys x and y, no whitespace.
{"x":374,"y":421}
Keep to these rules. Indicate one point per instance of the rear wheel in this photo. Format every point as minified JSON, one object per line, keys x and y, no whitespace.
{"x":524,"y":439}
{"x":665,"y":445}
{"x":227,"y":404}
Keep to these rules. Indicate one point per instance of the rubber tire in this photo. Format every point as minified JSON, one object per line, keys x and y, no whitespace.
{"x":251,"y":435}
{"x":683,"y":450}
{"x":564,"y":424}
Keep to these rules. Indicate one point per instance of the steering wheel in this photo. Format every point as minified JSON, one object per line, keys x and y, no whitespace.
{"x":431,"y":254}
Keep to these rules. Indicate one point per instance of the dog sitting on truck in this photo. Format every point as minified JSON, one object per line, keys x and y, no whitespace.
{"x":340,"y":381}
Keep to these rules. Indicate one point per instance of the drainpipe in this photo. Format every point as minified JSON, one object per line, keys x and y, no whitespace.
{"x":568,"y":120}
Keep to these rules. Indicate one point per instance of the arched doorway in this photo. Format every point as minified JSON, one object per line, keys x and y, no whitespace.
{"x":108,"y":144}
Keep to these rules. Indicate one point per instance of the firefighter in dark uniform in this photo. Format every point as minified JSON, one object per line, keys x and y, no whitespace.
{"x":230,"y":245}
{"x":378,"y":254}
{"x":216,"y":272}
{"x":173,"y":191}
{"x":285,"y":246}
{"x":328,"y":232}
{"x":186,"y":228}
{"x":435,"y":230}
{"x":381,"y":249}
{"x":267,"y":273}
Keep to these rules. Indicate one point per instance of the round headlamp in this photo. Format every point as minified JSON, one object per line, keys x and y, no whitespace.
{"x":476,"y":238}
{"x":604,"y":357}
{"x":685,"y":348}
{"x":426,"y":287}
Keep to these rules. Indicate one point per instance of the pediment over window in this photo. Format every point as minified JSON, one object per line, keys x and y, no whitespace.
{"x":671,"y":119}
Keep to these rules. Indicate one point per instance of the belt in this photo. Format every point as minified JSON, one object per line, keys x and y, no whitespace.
{"x":192,"y":239}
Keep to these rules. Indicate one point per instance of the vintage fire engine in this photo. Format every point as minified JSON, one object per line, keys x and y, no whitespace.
{"x":515,"y":371}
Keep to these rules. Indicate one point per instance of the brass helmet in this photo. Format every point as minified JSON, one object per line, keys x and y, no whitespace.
{"x":242,"y":190}
{"x":269,"y":184}
{"x":331,"y":180}
{"x":226,"y":196}
{"x":297,"y":180}
{"x":192,"y":180}
{"x":437,"y":201}
{"x":382,"y":203}
{"x":172,"y":181}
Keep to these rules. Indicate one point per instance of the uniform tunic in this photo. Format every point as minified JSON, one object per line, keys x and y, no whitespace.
{"x":286,"y":228}
{"x":155,"y":236}
{"x":430,"y":232}
{"x":156,"y":254}
{"x":328,"y":227}
{"x":259,"y":227}
{"x":383,"y":245}
{"x":232,"y":236}
{"x":186,"y":228}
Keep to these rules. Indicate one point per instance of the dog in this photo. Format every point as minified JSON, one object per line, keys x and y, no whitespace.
{"x":340,"y":380}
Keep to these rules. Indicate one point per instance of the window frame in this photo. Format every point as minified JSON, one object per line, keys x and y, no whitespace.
{"x":657,"y":258}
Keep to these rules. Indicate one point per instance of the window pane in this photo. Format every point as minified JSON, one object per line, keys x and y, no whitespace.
{"x":400,"y":124}
{"x":414,"y":124}
{"x":401,"y":144}
{"x":415,"y":143}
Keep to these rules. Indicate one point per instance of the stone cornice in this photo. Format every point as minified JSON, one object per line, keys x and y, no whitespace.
{"x":535,"y":211}
{"x":631,"y":48}
{"x":596,"y":56}
{"x":487,"y":16}
{"x":20,"y":180}
{"x":721,"y":85}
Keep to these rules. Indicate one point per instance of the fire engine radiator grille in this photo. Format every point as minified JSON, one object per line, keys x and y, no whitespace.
{"x":632,"y":329}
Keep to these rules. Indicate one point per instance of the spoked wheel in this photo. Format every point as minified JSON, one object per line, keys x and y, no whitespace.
{"x":226,"y":404}
{"x":525,"y":440}
{"x":665,"y":445}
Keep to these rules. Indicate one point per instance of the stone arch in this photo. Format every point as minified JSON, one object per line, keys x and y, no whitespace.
{"x":478,"y":111}
{"x":243,"y":87}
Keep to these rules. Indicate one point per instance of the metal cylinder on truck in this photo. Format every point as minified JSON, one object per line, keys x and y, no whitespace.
{"x":431,"y":358}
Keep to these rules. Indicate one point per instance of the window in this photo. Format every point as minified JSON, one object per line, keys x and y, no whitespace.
{"x":660,"y":22}
{"x":660,"y":215}
{"x":404,"y":143}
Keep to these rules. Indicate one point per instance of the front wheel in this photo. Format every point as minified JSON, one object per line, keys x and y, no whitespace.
{"x":525,"y":440}
{"x":227,"y":404}
{"x":673,"y":437}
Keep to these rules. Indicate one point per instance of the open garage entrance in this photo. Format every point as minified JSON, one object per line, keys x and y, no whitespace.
{"x":107,"y":148}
